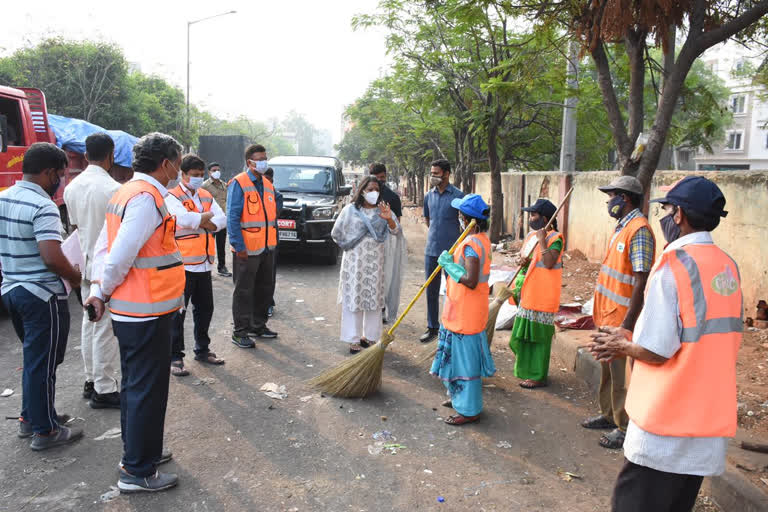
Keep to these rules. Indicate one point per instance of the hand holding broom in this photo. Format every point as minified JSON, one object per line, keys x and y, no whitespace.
{"x":360,"y":375}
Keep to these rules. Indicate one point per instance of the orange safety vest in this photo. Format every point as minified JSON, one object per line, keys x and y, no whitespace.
{"x":693,"y":394}
{"x":542,"y":286}
{"x":196,"y":245}
{"x":154,"y":285}
{"x":258,"y":221}
{"x":616,"y":280}
{"x":466,"y":310}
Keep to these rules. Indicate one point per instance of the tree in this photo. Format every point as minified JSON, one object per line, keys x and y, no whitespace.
{"x":636,"y":25}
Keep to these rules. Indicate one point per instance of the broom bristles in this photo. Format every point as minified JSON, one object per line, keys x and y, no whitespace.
{"x":357,"y":376}
{"x":493,"y":312}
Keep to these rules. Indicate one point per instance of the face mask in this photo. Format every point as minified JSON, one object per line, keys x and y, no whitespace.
{"x":195,"y":183}
{"x":382,"y":183}
{"x":462,"y":224}
{"x":615,"y":206}
{"x":538,"y":223}
{"x":669,"y":228}
{"x":261,"y":166}
{"x":371,"y":197}
{"x":177,"y":176}
{"x":51,"y":190}
{"x":435,"y":181}
{"x":216,"y":175}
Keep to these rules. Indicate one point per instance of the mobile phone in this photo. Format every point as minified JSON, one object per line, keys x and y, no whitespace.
{"x":91,"y":312}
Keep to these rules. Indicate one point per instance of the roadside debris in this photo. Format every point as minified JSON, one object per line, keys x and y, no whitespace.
{"x":109,"y":434}
{"x":503,"y":444}
{"x":384,"y":435}
{"x":111,"y":494}
{"x":6,"y":392}
{"x":204,"y":381}
{"x":272,"y":390}
{"x":306,"y":398}
{"x":567,"y":475}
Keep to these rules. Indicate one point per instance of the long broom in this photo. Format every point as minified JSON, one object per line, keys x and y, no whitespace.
{"x":360,"y":375}
{"x":502,"y":295}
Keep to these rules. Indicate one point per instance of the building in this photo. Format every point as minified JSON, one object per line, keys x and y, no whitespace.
{"x":745,"y":146}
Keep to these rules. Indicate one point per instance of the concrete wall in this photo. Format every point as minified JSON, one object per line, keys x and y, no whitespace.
{"x":588,"y":227}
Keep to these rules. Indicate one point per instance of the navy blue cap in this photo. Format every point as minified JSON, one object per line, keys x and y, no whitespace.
{"x":472,"y":205}
{"x":542,"y":207}
{"x":696,"y":193}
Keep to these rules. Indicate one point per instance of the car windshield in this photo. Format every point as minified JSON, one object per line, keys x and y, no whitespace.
{"x":313,"y":180}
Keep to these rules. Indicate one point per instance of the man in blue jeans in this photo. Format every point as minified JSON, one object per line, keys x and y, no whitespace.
{"x":33,"y":266}
{"x":444,"y":229}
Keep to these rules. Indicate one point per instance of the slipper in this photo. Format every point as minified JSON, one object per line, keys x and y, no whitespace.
{"x":598,"y":423}
{"x":448,"y":404}
{"x":367,"y":344}
{"x":458,"y":419}
{"x":178,"y":370}
{"x":532,"y":384}
{"x":355,"y":348}
{"x":612,"y":440}
{"x":209,"y":358}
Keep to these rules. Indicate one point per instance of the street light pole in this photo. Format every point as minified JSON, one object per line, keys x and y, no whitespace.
{"x":189,"y":25}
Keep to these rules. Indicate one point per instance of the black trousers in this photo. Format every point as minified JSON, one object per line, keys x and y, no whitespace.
{"x":199,"y":289}
{"x":221,"y":248}
{"x":43,"y":328}
{"x":145,"y":360}
{"x":274,"y":277}
{"x":642,"y":489}
{"x":433,"y":293}
{"x":253,"y":292}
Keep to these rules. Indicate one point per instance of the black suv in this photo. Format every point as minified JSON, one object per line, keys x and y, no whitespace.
{"x":313,"y":195}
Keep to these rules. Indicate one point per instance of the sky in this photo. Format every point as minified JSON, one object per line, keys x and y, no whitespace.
{"x":267,"y":59}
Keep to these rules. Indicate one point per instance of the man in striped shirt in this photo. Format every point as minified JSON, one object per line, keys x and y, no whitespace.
{"x":33,"y":266}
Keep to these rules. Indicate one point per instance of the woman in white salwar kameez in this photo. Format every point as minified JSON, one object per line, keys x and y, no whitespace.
{"x":360,"y":231}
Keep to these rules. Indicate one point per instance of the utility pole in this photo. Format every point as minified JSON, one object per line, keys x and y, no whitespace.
{"x":568,"y":143}
{"x":189,"y":25}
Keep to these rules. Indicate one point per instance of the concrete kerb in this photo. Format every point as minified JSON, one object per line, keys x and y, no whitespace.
{"x":731,"y":491}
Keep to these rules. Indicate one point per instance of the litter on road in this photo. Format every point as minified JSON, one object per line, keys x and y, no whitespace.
{"x":109,"y":434}
{"x":6,"y":392}
{"x":272,"y":390}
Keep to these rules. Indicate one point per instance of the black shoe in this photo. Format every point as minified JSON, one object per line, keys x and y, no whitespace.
{"x":598,"y":422}
{"x":64,"y":435}
{"x":264,"y":332}
{"x":243,"y":341}
{"x":223,"y":272}
{"x":157,"y":482}
{"x":88,"y":389}
{"x":271,"y":311}
{"x":165,"y":456}
{"x":25,"y":427}
{"x":430,"y":335}
{"x":105,"y":401}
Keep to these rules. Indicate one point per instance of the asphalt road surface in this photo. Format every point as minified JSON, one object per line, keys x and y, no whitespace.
{"x":237,"y":449}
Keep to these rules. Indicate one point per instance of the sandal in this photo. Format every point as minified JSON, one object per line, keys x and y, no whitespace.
{"x":458,"y":419}
{"x":613,"y":440}
{"x":209,"y":358}
{"x":598,"y":423}
{"x":366,"y":344}
{"x":448,"y":403}
{"x":355,"y":348}
{"x":178,"y":370}
{"x":532,"y":384}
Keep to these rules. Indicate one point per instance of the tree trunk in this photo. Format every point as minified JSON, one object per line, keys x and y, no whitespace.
{"x":667,"y":152}
{"x":497,"y":196}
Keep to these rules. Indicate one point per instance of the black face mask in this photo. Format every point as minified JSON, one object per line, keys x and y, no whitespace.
{"x":382,"y":183}
{"x":669,"y":228}
{"x":53,"y":187}
{"x":538,"y":223}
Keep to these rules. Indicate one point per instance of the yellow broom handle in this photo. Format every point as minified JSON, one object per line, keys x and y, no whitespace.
{"x":464,"y":235}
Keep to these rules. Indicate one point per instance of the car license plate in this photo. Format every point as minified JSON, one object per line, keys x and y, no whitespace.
{"x":288,"y":235}
{"x":286,"y":224}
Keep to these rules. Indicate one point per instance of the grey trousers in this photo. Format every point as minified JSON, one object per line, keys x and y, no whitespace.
{"x":253,"y":292}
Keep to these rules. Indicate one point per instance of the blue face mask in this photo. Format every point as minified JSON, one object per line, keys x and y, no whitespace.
{"x":616,"y":206}
{"x":261,"y":166}
{"x":195,"y":183}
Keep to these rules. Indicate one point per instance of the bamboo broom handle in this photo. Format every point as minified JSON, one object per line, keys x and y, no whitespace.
{"x":530,"y":253}
{"x":464,"y":235}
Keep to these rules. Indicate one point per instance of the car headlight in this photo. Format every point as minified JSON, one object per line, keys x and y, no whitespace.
{"x":323,"y":213}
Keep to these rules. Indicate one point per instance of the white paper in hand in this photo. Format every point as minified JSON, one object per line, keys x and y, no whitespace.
{"x":71,"y":249}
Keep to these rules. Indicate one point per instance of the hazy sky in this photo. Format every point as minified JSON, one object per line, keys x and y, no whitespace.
{"x":268,"y":58}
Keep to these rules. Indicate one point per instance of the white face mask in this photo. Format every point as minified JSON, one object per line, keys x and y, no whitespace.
{"x":195,"y":183}
{"x":372,"y":196}
{"x":216,"y":175}
{"x":261,"y":166}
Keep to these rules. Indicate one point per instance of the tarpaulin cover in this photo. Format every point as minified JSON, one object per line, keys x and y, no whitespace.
{"x":71,"y":134}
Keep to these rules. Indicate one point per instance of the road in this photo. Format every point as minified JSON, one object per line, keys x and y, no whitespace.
{"x":237,"y":449}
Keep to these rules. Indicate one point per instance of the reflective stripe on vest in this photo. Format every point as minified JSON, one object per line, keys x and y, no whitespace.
{"x":618,"y":299}
{"x":622,"y":278}
{"x":466,"y":310}
{"x":258,"y":227}
{"x":197,"y":246}
{"x":542,"y":286}
{"x":693,"y":393}
{"x":154,"y":285}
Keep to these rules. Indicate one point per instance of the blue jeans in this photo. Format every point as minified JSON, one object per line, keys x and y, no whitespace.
{"x":43,"y":328}
{"x":433,"y":293}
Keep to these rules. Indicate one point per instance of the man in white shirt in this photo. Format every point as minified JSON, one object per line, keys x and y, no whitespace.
{"x":138,"y":270}
{"x":198,"y":216}
{"x":86,"y":199}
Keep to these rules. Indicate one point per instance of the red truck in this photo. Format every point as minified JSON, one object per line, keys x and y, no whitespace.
{"x":24,"y":121}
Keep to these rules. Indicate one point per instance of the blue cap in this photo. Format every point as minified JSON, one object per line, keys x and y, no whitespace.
{"x":696,"y":193}
{"x":472,"y":205}
{"x":542,"y":207}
